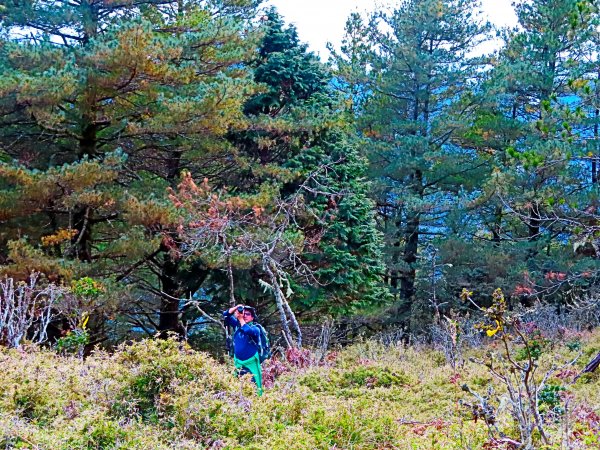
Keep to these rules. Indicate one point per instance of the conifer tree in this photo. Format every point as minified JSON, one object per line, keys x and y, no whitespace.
{"x":298,"y":130}
{"x":103,"y":105}
{"x":535,"y":120}
{"x":416,"y":70}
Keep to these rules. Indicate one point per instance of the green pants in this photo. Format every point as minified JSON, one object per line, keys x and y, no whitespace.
{"x":251,"y":365}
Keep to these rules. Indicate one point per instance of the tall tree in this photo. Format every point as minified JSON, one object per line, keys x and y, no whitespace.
{"x":537,"y":115}
{"x":103,"y":105}
{"x":298,"y":131}
{"x":419,"y":71}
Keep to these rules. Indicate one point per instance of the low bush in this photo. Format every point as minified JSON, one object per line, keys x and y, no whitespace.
{"x":160,"y":394}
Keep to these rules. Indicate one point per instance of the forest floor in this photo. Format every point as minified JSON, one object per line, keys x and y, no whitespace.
{"x":163,"y":395}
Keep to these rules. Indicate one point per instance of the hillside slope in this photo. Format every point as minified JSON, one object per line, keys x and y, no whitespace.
{"x":161,"y":395}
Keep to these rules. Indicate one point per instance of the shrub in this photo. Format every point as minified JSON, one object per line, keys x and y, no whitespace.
{"x":332,"y":381}
{"x":155,"y":368}
{"x":160,"y":394}
{"x":26,"y":310}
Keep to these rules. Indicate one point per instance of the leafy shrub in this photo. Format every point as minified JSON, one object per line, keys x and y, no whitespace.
{"x":156,"y":367}
{"x":535,"y":346}
{"x":360,"y":377}
{"x":73,"y":342}
{"x":574,"y":345}
{"x":86,"y":287}
{"x":160,"y":394}
{"x":549,"y":400}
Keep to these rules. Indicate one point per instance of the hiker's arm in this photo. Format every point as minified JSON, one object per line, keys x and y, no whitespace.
{"x":233,"y":308}
{"x":229,"y":319}
{"x":250,"y":330}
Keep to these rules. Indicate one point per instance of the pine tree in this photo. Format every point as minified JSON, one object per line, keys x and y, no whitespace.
{"x":537,"y":116}
{"x":103,"y":105}
{"x":419,"y":71}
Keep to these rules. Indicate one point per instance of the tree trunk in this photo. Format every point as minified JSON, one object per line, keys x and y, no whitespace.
{"x":88,"y":140}
{"x":596,"y":117}
{"x":395,"y":275}
{"x":169,"y":316}
{"x":411,"y":246}
{"x":497,"y":225}
{"x":82,"y":241}
{"x":170,"y":313}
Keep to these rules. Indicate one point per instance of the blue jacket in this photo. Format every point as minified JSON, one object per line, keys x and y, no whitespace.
{"x":244,"y":337}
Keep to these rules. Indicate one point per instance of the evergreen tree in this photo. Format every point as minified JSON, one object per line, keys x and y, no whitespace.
{"x":534,"y":123}
{"x":419,"y":71}
{"x":289,"y":72}
{"x":297,"y":131}
{"x":103,"y":105}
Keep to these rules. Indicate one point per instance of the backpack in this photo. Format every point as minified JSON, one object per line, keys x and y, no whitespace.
{"x":264,"y":347}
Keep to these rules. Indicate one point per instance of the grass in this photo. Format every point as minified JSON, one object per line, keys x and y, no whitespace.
{"x":163,"y":395}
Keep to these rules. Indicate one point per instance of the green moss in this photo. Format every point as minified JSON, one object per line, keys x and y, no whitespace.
{"x":368,"y":377}
{"x":481,"y":381}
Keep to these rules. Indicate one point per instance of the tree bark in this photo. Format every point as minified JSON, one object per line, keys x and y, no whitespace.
{"x":169,"y":317}
{"x":411,"y":246}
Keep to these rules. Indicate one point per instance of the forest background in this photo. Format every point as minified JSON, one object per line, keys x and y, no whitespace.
{"x":162,"y":160}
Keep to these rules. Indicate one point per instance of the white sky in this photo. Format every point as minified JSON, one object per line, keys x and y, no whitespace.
{"x":320,"y":21}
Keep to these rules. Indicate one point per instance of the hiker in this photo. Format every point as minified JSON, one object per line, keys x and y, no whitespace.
{"x":246,"y":342}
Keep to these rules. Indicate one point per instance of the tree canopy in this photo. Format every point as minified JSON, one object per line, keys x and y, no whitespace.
{"x":185,"y":155}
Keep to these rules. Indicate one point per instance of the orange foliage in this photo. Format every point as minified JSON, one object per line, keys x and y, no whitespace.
{"x":521,"y":289}
{"x":556,"y":276}
{"x":59,"y":237}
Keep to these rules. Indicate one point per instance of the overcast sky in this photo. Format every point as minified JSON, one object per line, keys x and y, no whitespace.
{"x":320,"y":21}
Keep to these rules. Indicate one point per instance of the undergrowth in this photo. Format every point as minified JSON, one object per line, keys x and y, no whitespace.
{"x":160,"y":394}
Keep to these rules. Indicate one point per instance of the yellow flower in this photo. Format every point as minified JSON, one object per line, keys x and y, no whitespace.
{"x":465,"y":294}
{"x":84,"y":320}
{"x":492,"y":331}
